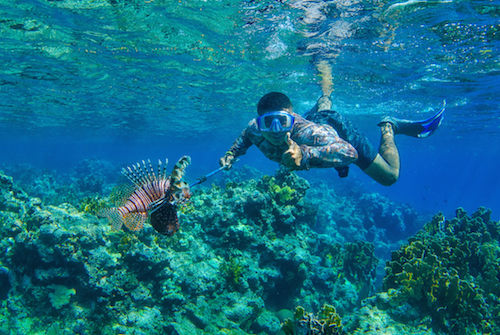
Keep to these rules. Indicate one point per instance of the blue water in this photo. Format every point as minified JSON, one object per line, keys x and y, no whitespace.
{"x":124,"y":81}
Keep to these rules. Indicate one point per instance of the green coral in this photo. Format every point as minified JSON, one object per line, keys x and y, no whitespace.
{"x":285,"y":188}
{"x":450,"y":270}
{"x":186,"y":208}
{"x":327,"y":322}
{"x":282,"y":194}
{"x":359,"y":265}
{"x":360,"y":262}
{"x":232,"y":271}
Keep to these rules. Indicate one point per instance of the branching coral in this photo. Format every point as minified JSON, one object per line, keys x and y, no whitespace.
{"x":327,"y":322}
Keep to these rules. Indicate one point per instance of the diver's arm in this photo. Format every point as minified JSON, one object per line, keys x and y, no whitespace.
{"x":320,"y":146}
{"x":336,"y":154}
{"x":239,"y":148}
{"x":241,"y":144}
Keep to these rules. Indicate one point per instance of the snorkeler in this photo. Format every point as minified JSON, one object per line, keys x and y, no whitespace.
{"x":324,"y":138}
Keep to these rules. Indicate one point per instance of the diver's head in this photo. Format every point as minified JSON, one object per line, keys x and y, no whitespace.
{"x":274,"y":101}
{"x":275,"y":118}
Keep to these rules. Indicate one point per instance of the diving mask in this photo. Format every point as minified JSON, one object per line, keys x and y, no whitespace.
{"x":276,"y":122}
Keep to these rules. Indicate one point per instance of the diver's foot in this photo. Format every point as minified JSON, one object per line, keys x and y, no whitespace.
{"x":324,"y":103}
{"x":420,"y":129}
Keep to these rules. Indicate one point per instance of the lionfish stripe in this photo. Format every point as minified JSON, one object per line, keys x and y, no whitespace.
{"x":149,"y":191}
{"x":143,"y":174}
{"x":151,"y":172}
{"x":139,"y":197}
{"x":136,"y":175}
{"x":154,"y":190}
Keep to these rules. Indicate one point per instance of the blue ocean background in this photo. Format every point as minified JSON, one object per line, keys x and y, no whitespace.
{"x":122,"y":81}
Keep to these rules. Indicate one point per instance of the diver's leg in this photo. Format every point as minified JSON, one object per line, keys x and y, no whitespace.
{"x":325,"y":72}
{"x":324,"y":102}
{"x":385,"y":167}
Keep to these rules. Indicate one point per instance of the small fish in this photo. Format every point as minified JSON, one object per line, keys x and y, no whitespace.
{"x":155,"y":196}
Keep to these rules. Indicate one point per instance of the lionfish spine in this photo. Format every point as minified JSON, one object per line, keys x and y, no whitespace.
{"x":141,"y":198}
{"x":150,"y":187}
{"x":147,"y":174}
{"x":131,"y":175}
{"x":142,"y":173}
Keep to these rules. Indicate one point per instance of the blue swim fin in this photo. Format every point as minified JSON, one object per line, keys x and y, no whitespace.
{"x":419,"y":129}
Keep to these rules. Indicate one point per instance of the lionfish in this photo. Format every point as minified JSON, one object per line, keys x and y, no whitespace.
{"x":155,"y":196}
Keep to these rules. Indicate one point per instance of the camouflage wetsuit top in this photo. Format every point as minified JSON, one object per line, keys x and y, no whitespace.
{"x":320,"y":145}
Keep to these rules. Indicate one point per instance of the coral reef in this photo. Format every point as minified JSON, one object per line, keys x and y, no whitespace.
{"x":327,"y":322}
{"x":244,"y":250}
{"x":450,"y":271}
{"x":357,"y":215}
{"x":248,"y":252}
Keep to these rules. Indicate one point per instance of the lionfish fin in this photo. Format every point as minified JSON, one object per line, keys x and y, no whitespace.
{"x":176,"y":182}
{"x":143,"y":174}
{"x":113,"y":216}
{"x":134,"y":221}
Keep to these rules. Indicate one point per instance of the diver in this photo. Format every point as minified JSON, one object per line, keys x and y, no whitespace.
{"x":324,"y":138}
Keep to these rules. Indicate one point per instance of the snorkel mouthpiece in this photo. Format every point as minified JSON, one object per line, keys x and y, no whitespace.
{"x":276,"y":126}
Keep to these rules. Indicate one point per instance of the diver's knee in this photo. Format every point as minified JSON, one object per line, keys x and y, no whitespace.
{"x":382,"y":172}
{"x":390,"y":178}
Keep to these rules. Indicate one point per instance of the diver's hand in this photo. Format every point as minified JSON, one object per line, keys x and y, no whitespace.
{"x":227,"y":161}
{"x":293,"y":156}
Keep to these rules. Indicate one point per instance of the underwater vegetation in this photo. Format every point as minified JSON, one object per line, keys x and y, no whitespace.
{"x":450,"y":271}
{"x":248,"y":253}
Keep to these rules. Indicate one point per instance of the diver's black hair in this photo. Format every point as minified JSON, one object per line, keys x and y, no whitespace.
{"x":273,"y":101}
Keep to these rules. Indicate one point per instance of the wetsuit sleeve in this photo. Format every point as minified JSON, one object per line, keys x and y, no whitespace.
{"x":241,"y":144}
